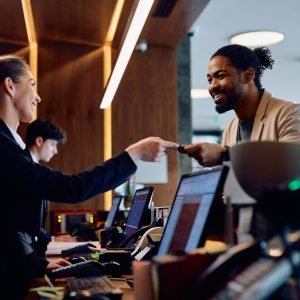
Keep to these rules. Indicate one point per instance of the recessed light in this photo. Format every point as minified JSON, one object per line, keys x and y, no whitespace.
{"x":257,"y":38}
{"x":199,"y":93}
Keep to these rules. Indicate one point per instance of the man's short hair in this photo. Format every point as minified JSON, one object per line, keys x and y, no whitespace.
{"x":44,"y":129}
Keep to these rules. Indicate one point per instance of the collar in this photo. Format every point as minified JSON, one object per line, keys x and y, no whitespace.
{"x":261,"y":110}
{"x":34,"y":158}
{"x":17,"y":138}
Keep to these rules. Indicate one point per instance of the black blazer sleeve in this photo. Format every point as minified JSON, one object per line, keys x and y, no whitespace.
{"x":41,"y":182}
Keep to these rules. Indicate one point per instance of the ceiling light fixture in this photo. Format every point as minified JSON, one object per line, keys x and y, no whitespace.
{"x":200,"y":94}
{"x":257,"y":38}
{"x":139,"y":18}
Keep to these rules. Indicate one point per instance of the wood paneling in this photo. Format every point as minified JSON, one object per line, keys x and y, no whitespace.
{"x":70,"y":82}
{"x":146,"y":105}
{"x":6,"y":48}
{"x":12,"y":24}
{"x":71,"y":77}
{"x":75,"y":21}
{"x":120,"y":31}
{"x":164,"y":31}
{"x":170,"y":31}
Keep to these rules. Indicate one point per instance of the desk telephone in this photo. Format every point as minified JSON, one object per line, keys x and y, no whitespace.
{"x":87,"y":268}
{"x":81,"y":269}
{"x":87,"y":260}
{"x":143,"y":233}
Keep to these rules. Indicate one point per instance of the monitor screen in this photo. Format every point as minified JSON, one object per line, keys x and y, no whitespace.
{"x":140,"y":204}
{"x":116,"y":200}
{"x":186,"y":228}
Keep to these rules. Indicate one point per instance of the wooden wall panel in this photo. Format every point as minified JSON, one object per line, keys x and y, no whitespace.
{"x":70,"y":78}
{"x":76,"y":21}
{"x":70,"y":84}
{"x":12,"y":23}
{"x":170,"y":31}
{"x":146,"y":105}
{"x":13,"y":49}
{"x":167,"y":31}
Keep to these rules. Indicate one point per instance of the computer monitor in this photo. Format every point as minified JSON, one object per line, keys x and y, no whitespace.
{"x":196,"y":195}
{"x":111,"y":217}
{"x":139,"y":206}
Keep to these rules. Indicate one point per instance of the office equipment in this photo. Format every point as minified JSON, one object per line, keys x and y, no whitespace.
{"x":111,"y":217}
{"x":81,"y":269}
{"x":78,"y":250}
{"x":63,"y":221}
{"x":124,"y":241}
{"x":56,"y":248}
{"x":91,"y":286}
{"x":139,"y":207}
{"x":196,"y":196}
{"x":148,"y":244}
{"x":231,"y":263}
{"x":250,"y":274}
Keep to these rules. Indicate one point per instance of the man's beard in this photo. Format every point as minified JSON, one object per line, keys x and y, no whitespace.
{"x":233,"y":99}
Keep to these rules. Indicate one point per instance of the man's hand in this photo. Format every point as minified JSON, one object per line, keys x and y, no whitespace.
{"x":207,"y":154}
{"x":57,"y":264}
{"x":150,"y":149}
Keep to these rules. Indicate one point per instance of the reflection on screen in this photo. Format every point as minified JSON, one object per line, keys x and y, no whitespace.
{"x":184,"y":226}
{"x":189,"y":214}
{"x":113,"y":211}
{"x":139,"y":204}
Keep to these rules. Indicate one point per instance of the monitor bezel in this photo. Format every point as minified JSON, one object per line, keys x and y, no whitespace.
{"x":119,"y":199}
{"x":147,"y":202}
{"x":218,"y":193}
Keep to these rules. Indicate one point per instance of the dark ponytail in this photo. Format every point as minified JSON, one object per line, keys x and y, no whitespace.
{"x":243,"y":58}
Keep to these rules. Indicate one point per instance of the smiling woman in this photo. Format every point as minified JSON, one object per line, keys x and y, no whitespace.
{"x":24,"y":184}
{"x":21,"y":97}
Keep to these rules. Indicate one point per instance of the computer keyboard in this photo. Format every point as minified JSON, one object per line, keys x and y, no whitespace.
{"x":93,"y":286}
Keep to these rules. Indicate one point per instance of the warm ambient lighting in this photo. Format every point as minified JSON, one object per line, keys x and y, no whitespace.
{"x":114,"y":21}
{"x":33,"y":46}
{"x":199,"y":94}
{"x":107,"y":132}
{"x":139,"y":18}
{"x":257,"y":38}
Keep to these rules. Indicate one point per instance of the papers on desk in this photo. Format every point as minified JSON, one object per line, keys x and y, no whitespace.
{"x":55,"y":248}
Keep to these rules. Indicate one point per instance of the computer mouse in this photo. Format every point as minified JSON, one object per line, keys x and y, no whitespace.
{"x":112,"y":268}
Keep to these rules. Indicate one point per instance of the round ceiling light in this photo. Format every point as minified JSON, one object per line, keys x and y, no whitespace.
{"x":257,"y":38}
{"x":199,"y":94}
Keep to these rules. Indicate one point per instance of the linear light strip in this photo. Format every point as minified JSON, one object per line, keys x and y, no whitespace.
{"x":33,"y":46}
{"x":107,"y":136}
{"x":140,"y":16}
{"x":107,"y":112}
{"x":107,"y":61}
{"x":29,"y":23}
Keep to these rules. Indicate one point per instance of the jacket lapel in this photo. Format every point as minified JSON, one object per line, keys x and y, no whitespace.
{"x":261,"y":110}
